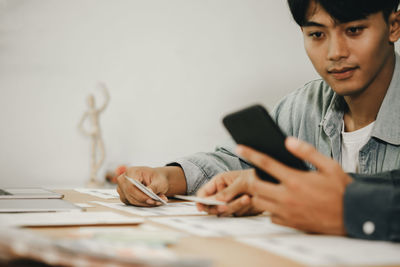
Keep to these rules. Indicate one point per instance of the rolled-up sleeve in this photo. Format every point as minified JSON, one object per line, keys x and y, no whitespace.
{"x":199,"y":168}
{"x":372,"y":207}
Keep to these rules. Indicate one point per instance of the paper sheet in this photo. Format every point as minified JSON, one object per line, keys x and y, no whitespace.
{"x":143,"y":234}
{"x":225,"y":226}
{"x":101,"y":193}
{"x":65,"y":218}
{"x":179,"y":208}
{"x":322,"y":250}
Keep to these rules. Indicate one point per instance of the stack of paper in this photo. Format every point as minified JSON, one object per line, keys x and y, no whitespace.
{"x":66,"y":218}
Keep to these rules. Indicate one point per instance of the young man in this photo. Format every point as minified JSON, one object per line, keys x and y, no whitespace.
{"x":351,"y":116}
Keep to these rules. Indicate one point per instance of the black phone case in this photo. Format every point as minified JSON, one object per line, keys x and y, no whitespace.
{"x":254,"y":127}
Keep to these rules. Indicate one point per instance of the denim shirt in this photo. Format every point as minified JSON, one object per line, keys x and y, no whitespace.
{"x":314,"y":113}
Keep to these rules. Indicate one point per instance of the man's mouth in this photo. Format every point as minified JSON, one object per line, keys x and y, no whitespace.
{"x":342,"y":73}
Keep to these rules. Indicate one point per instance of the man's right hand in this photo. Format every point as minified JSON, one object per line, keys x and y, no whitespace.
{"x":154,"y":178}
{"x":163,"y":181}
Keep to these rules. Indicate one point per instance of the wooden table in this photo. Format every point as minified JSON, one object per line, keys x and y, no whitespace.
{"x":224,"y":251}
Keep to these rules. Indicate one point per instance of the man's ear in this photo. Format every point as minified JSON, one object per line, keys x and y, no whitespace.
{"x":394,"y":26}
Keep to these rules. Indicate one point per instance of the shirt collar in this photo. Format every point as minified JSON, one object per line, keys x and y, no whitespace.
{"x":334,"y":116}
{"x":331,"y":124}
{"x":387,"y":124}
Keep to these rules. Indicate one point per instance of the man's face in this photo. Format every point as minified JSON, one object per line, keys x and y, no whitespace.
{"x":349,"y":56}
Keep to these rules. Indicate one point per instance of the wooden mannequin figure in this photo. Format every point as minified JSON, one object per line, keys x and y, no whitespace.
{"x":94,"y":132}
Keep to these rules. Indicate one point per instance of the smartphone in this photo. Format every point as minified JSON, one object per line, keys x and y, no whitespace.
{"x":254,"y":127}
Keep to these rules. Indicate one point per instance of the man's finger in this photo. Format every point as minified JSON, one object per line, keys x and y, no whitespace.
{"x":266,"y":190}
{"x":120,"y":170}
{"x":134,"y":195}
{"x":243,"y":212}
{"x":200,"y":207}
{"x":234,"y":206}
{"x":143,"y":202}
{"x":268,"y":164}
{"x":220,"y":184}
{"x":213,"y":210}
{"x":265,"y":205}
{"x":307,"y":152}
{"x":208,"y":189}
{"x":120,"y":186}
{"x":122,"y":196}
{"x":279,"y":220}
{"x":238,"y":187}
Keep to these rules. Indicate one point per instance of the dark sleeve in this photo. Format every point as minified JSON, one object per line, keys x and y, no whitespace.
{"x":372,"y":206}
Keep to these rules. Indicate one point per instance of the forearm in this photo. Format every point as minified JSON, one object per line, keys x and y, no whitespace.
{"x":199,"y":168}
{"x":176,"y":180}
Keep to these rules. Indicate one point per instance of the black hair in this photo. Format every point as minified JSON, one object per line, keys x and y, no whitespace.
{"x":343,"y":10}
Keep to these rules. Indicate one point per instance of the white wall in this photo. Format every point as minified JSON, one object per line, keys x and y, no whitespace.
{"x":174,"y":68}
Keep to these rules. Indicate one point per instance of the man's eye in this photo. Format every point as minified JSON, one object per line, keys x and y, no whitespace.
{"x":316,"y":35}
{"x":355,"y":30}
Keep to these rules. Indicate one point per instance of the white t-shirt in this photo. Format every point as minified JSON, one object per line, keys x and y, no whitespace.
{"x":352,"y":142}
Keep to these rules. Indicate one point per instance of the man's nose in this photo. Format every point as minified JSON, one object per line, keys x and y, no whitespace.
{"x":338,"y":48}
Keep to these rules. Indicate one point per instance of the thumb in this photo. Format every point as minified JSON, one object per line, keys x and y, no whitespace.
{"x":207,"y":190}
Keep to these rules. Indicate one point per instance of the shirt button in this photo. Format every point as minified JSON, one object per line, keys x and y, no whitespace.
{"x":369,"y":228}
